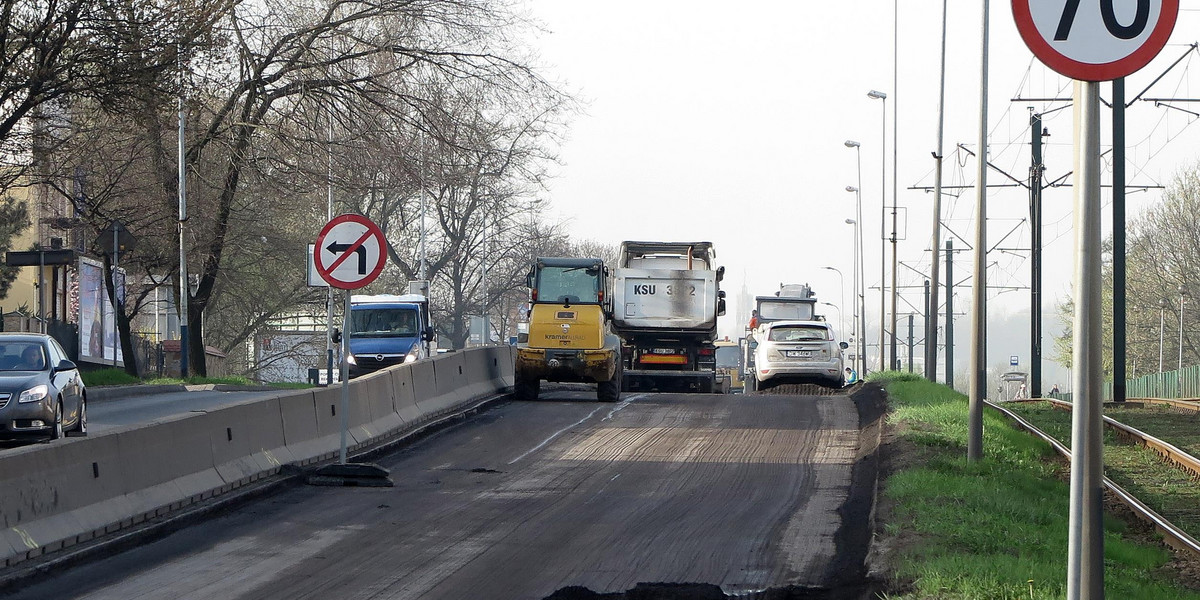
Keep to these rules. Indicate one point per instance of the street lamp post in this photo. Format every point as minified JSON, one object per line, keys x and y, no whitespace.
{"x":1182,"y":293}
{"x":842,"y":288}
{"x":858,"y":334}
{"x":883,"y":364}
{"x":835,"y":307}
{"x":860,"y":272}
{"x":1162,"y":316}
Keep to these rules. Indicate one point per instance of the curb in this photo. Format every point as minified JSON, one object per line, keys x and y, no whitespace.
{"x":116,"y":392}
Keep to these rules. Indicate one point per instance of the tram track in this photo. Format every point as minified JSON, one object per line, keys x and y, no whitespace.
{"x":1173,"y":535}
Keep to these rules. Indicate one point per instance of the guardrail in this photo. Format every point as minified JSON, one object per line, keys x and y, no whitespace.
{"x":1174,"y":536}
{"x":72,"y":491}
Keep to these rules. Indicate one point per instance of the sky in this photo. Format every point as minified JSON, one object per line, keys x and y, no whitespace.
{"x":726,"y":122}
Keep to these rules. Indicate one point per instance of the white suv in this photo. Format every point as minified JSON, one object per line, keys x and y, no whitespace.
{"x":797,"y":352}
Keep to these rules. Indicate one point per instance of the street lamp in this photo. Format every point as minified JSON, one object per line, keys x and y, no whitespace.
{"x":842,"y":288}
{"x":883,"y":365}
{"x":1162,"y":311}
{"x":1182,"y":293}
{"x":860,"y":271}
{"x":837,"y":308}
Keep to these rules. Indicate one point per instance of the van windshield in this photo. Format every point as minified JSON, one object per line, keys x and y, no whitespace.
{"x":383,"y":322}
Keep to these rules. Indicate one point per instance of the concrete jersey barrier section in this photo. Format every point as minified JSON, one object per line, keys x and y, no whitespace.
{"x":73,"y":490}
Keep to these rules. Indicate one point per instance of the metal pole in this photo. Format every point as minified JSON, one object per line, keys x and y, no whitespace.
{"x":344,"y":409}
{"x":1085,"y":552}
{"x":329,"y":217}
{"x":931,"y":332}
{"x":1118,"y":254}
{"x":910,"y":340}
{"x":950,"y":313}
{"x":1181,"y":295}
{"x":895,"y":172}
{"x":183,"y":272}
{"x":1035,"y":283}
{"x":842,"y":303}
{"x":1162,"y":308}
{"x":978,"y":374}
{"x":930,"y":315}
{"x":882,"y":227}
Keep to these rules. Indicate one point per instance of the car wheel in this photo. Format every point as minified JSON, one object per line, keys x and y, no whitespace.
{"x":57,"y":432}
{"x":81,"y":427}
{"x":526,"y":389}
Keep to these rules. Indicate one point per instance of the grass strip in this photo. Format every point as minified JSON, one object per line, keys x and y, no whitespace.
{"x":120,"y":377}
{"x":108,"y":377}
{"x":995,"y":528}
{"x":1168,"y":490}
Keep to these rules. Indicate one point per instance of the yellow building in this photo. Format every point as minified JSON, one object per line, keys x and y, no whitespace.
{"x":46,"y":218}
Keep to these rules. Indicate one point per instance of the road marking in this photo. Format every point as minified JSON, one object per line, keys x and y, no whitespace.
{"x":575,"y":424}
{"x":26,"y":538}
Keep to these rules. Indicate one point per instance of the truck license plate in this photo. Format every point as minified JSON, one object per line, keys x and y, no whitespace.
{"x":798,"y":353}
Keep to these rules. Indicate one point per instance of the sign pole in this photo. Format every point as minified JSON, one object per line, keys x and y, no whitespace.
{"x":349,"y":254}
{"x":344,"y":409}
{"x":1085,"y":553}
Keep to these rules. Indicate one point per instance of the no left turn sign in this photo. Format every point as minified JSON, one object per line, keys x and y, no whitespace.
{"x":1095,"y":40}
{"x":350,"y":252}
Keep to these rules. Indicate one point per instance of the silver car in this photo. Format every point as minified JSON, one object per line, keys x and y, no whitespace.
{"x":42,"y":395}
{"x":798,"y":352}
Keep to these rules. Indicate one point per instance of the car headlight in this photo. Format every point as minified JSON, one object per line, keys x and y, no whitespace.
{"x":413,"y":354}
{"x":33,"y":394}
{"x":350,"y":359}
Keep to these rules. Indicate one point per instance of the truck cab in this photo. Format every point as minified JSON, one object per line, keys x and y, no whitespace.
{"x":387,"y":330}
{"x":569,"y":338}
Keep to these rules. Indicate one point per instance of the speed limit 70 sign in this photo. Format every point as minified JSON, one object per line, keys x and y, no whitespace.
{"x":1095,"y":40}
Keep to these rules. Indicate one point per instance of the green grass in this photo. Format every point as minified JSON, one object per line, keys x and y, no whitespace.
{"x":996,"y":528}
{"x":120,"y":377}
{"x":194,"y":380}
{"x":1168,"y":490}
{"x":108,"y":377}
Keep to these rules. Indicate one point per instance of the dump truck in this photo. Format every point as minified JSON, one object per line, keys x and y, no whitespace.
{"x":666,"y":300}
{"x":569,"y":334}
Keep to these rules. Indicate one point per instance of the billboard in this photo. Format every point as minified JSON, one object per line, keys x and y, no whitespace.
{"x":98,"y":340}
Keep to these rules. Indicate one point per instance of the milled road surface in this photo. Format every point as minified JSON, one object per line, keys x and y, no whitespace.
{"x":530,"y":497}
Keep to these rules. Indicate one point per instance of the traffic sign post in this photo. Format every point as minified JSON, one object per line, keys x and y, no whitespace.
{"x":350,"y":253}
{"x":1090,"y":41}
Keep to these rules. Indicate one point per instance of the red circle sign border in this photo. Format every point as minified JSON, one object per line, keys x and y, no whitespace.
{"x":372,"y":229}
{"x":1102,"y":71}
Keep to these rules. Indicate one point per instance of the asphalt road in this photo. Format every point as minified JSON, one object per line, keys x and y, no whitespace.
{"x":111,"y":414}
{"x":104,"y":416}
{"x":746,"y":492}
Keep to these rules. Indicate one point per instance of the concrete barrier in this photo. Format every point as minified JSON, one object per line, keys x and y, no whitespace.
{"x":449,"y":382}
{"x":406,"y":393}
{"x":57,"y":495}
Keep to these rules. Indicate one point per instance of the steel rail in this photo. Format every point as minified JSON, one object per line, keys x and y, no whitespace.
{"x":1172,"y":535}
{"x":1171,"y":453}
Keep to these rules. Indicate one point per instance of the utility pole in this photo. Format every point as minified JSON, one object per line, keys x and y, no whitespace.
{"x":950,"y":314}
{"x":1118,"y":208}
{"x":910,"y":335}
{"x":931,"y":332}
{"x":1035,"y":284}
{"x":978,"y":372}
{"x":930,"y":315}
